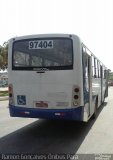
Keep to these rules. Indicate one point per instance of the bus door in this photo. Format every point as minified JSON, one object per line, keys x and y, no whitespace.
{"x":106,"y":89}
{"x":87,"y":83}
{"x":102,"y":85}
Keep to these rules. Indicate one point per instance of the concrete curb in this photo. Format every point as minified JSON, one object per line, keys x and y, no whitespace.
{"x":4,"y":98}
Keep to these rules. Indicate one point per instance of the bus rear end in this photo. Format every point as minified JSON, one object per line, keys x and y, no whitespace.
{"x":42,"y":80}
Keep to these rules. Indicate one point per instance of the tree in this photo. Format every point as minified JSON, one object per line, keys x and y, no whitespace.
{"x":4,"y":56}
{"x":111,"y":76}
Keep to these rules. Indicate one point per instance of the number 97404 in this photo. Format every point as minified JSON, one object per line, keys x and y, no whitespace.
{"x":41,"y":44}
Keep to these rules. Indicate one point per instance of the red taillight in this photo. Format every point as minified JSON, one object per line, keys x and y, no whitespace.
{"x":62,"y":114}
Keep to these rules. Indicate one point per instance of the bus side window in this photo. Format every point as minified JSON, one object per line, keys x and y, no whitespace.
{"x":93,"y":67}
{"x":96,"y":68}
{"x":86,"y":67}
{"x":101,"y":72}
{"x":99,"y":75}
{"x":85,"y":62}
{"x":105,"y":74}
{"x":95,"y":72}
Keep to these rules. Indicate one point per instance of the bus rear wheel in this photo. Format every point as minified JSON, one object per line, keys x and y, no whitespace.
{"x":95,"y":110}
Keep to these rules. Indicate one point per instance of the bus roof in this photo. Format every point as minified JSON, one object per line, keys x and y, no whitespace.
{"x":44,"y":35}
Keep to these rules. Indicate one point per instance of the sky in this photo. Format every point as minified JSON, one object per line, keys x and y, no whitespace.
{"x":91,"y":20}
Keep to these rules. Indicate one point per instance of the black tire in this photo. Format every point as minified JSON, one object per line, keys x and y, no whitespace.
{"x":95,"y":111}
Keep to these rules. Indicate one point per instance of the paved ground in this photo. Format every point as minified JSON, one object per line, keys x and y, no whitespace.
{"x":100,"y":136}
{"x":19,"y":135}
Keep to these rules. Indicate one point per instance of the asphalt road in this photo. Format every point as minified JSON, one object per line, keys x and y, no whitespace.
{"x":21,"y":135}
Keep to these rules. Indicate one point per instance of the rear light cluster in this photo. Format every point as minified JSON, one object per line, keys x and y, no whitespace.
{"x":11,"y":97}
{"x":76,"y":96}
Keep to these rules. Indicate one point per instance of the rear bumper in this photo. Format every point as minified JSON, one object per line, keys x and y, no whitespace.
{"x":62,"y":114}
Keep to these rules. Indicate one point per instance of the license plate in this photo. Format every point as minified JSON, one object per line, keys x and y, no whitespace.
{"x":41,"y":104}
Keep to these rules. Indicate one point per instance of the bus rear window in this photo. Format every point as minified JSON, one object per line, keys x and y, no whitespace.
{"x":53,"y":54}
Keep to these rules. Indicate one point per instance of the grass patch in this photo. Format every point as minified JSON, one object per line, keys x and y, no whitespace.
{"x":4,"y":93}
